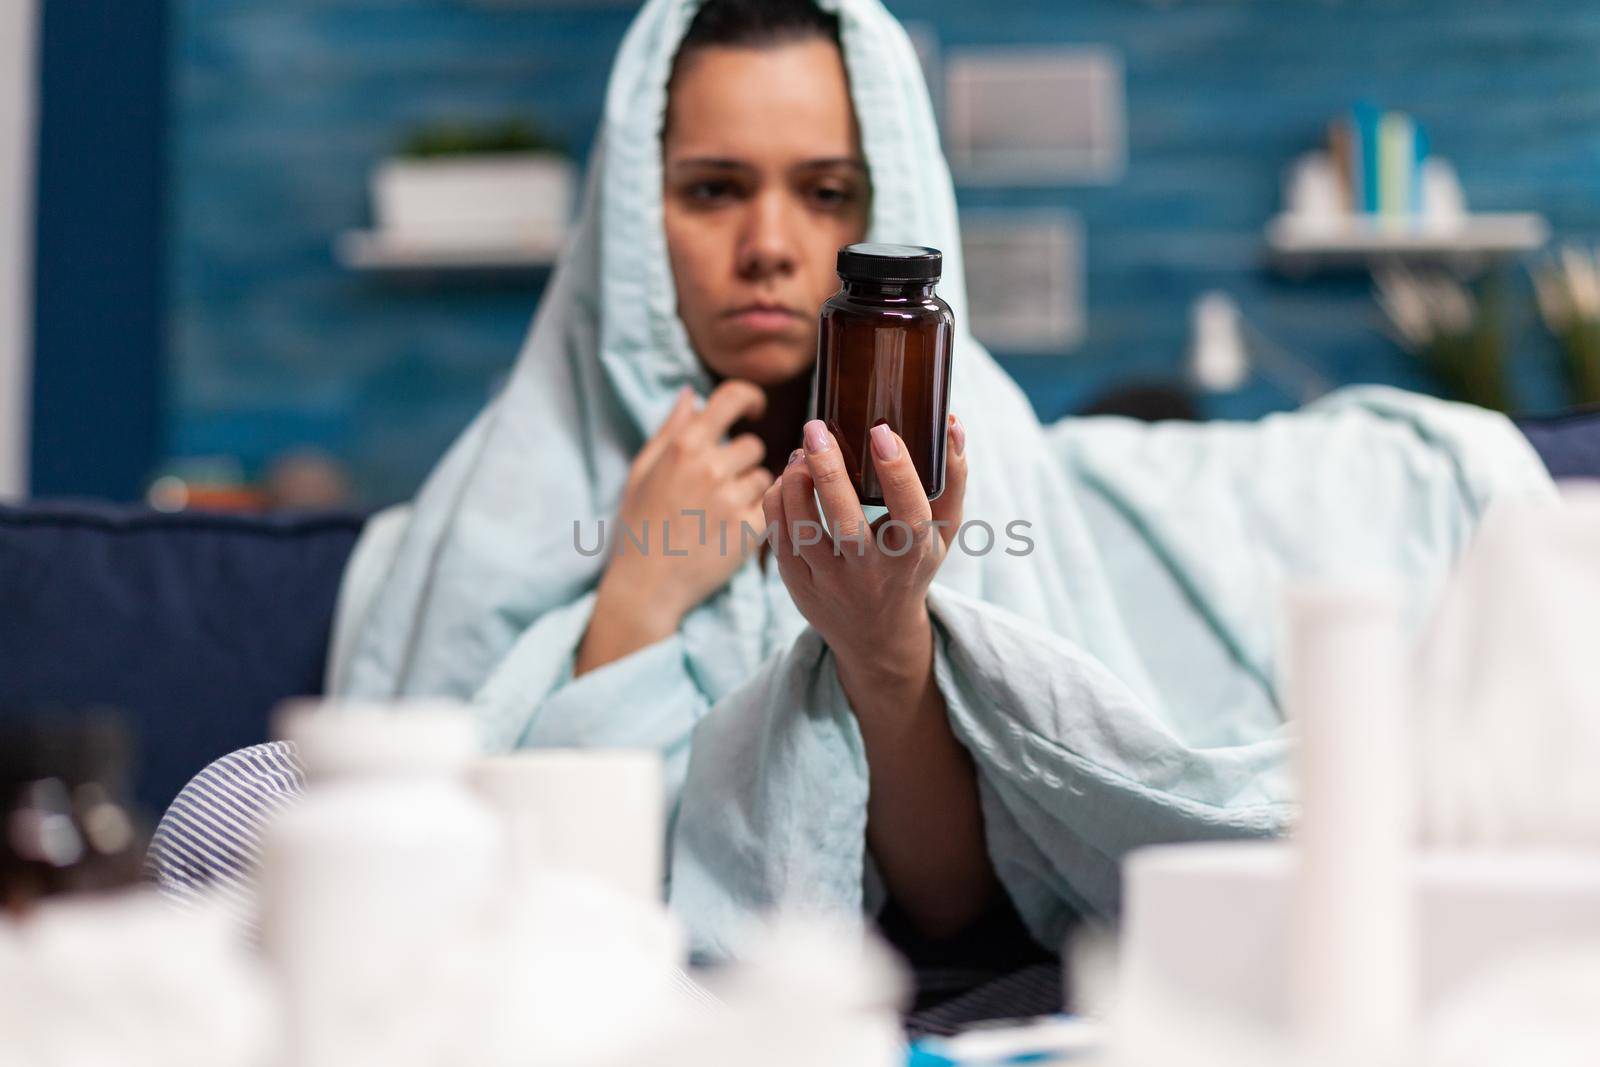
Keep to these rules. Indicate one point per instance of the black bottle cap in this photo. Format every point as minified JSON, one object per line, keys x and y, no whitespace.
{"x":890,"y":263}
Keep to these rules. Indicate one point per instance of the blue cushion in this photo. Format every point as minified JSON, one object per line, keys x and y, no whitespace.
{"x":195,"y":625}
{"x":1569,"y":444}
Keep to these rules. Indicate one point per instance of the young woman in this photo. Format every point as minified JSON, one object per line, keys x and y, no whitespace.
{"x":1072,"y":657}
{"x":761,"y":180}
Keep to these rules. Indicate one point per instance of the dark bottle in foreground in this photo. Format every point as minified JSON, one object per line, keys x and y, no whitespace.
{"x":65,"y":823}
{"x":883,"y":355}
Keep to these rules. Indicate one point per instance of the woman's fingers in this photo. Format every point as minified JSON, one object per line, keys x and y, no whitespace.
{"x":729,"y":402}
{"x":752,"y":526}
{"x":825,"y":466}
{"x":805,"y":528}
{"x":740,"y":454}
{"x":682,"y":411}
{"x":752,"y":485}
{"x":772,"y":512}
{"x":947,"y":509}
{"x":790,"y":565}
{"x":897,"y":475}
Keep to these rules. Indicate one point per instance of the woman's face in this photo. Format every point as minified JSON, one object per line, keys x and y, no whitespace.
{"x":763,"y":183}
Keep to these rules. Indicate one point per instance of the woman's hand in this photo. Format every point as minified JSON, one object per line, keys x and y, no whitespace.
{"x":685,"y":489}
{"x":865,"y":589}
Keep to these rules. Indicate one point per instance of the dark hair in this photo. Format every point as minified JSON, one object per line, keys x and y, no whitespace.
{"x":754,"y":24}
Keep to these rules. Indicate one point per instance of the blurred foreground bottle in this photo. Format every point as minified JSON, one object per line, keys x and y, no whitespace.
{"x":64,"y":818}
{"x":66,"y":825}
{"x":378,"y":888}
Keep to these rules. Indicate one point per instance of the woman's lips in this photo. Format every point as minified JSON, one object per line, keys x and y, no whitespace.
{"x":766,"y":318}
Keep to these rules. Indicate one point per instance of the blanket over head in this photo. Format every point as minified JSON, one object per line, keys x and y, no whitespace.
{"x":1109,"y":660}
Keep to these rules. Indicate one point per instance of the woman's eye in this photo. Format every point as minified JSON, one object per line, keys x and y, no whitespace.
{"x":710,"y":191}
{"x":831,"y":196}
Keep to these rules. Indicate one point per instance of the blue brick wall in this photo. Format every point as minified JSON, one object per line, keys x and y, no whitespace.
{"x":281,"y":107}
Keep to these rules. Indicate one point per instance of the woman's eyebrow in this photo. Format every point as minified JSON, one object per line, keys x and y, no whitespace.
{"x":721,"y":163}
{"x":711,"y":163}
{"x":834,"y":162}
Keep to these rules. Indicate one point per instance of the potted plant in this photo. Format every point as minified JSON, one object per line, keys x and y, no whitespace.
{"x":1568,"y":289}
{"x":1456,"y":332}
{"x":465,"y":184}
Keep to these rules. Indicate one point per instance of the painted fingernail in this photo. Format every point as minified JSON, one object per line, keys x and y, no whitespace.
{"x":884,"y":446}
{"x":816,"y":436}
{"x":958,"y":435}
{"x":795,"y":457}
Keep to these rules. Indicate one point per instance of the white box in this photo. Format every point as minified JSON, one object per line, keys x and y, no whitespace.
{"x":456,"y":200}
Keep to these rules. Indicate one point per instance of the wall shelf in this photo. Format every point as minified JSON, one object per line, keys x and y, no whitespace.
{"x":376,"y":252}
{"x":1303,"y":245}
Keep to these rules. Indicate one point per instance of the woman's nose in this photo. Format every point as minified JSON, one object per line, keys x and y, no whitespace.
{"x":767,"y":245}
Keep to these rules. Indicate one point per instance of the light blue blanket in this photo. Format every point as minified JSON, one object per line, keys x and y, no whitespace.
{"x":1117,"y":683}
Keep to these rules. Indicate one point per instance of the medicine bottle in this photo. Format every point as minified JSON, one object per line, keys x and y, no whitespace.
{"x":883,"y":355}
{"x":66,"y":825}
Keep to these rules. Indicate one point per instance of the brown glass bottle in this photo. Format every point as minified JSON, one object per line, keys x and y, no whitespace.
{"x":65,"y":825}
{"x":883,"y":355}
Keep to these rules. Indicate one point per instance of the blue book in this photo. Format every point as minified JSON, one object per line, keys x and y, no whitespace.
{"x":1365,"y":118}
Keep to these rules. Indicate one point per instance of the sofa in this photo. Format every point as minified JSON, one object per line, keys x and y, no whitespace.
{"x":193,"y":625}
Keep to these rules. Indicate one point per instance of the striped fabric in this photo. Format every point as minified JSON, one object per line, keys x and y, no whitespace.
{"x":1035,"y":990}
{"x":209,"y":841}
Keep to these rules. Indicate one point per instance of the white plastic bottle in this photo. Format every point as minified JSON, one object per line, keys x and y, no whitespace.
{"x":378,"y":889}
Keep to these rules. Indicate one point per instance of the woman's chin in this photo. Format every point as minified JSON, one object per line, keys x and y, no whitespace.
{"x":764,"y":363}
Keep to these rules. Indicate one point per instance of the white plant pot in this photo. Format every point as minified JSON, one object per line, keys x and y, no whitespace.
{"x":469,"y":200}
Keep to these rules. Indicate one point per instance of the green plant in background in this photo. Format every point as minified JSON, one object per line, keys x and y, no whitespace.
{"x":1456,"y":333}
{"x":1568,"y":289}
{"x":464,"y":138}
